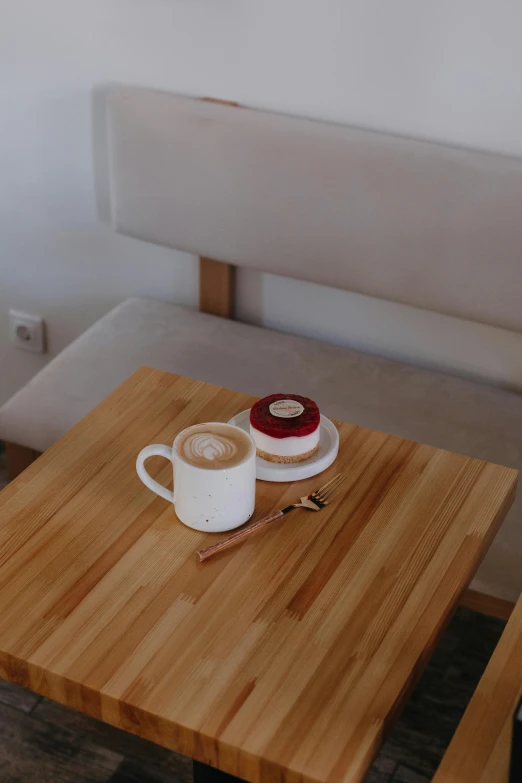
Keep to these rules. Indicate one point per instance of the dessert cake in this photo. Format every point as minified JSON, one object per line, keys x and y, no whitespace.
{"x":285,"y":427}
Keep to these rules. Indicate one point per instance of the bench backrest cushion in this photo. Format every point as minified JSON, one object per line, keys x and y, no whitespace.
{"x":419,"y":223}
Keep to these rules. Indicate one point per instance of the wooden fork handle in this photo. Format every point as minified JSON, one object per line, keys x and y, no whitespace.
{"x":204,"y":554}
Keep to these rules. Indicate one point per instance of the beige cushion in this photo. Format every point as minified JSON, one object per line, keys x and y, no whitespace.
{"x":406,"y":220}
{"x":374,"y":392}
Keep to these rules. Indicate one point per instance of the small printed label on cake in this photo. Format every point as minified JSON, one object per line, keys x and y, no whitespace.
{"x":286,"y":409}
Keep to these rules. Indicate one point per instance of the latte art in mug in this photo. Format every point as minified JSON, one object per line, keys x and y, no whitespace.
{"x":208,"y":446}
{"x":214,"y":447}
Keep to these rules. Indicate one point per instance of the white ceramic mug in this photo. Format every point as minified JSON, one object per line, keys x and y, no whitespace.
{"x":214,"y":487}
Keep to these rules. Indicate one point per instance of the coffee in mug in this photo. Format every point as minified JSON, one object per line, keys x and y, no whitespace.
{"x":214,"y":475}
{"x":213,"y":446}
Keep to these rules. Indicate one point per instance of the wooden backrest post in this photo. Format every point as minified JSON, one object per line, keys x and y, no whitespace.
{"x":216,"y":287}
{"x":217,"y":279}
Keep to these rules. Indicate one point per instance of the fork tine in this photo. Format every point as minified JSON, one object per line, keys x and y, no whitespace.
{"x":331,"y":494}
{"x":326,"y":493}
{"x":320,"y":494}
{"x":338,"y":477}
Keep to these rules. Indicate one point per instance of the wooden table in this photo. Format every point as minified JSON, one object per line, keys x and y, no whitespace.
{"x":480,"y":751}
{"x":283,"y":659}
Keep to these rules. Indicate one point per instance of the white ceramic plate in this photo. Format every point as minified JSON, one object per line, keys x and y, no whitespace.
{"x":280,"y":471}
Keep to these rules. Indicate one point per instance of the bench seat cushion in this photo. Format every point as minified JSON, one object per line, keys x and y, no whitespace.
{"x":418,"y":404}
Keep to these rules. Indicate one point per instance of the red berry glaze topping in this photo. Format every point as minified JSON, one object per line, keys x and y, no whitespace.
{"x":279,"y":427}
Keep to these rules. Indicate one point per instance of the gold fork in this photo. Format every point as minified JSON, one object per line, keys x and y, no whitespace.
{"x":315,"y":502}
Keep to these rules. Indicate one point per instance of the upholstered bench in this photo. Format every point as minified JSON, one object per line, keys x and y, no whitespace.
{"x":238,"y":184}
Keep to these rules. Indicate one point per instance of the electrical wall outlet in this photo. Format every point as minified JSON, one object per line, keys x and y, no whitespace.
{"x":26,"y":331}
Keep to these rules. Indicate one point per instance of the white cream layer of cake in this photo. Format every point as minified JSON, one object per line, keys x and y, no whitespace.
{"x":285,"y":447}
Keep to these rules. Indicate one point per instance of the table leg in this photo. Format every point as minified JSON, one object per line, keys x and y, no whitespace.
{"x":205,"y":774}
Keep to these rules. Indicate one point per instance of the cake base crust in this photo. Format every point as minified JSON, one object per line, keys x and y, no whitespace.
{"x":297,"y":458}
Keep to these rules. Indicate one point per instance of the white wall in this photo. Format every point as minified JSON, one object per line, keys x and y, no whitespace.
{"x":446,"y":71}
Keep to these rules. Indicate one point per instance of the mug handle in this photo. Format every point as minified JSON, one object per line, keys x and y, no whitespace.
{"x":156,"y":450}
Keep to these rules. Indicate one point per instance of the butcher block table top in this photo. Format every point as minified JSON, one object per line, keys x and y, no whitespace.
{"x":284,"y":659}
{"x":480,"y":751}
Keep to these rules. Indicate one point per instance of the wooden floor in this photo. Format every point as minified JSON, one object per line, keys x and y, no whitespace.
{"x":43,"y":742}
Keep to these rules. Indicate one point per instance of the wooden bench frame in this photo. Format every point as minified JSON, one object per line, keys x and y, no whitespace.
{"x":480,"y":750}
{"x":217,"y":288}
